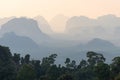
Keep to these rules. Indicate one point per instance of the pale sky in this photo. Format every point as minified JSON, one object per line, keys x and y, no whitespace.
{"x":51,"y":8}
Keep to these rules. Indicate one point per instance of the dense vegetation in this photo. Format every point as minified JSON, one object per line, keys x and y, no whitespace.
{"x":15,"y":67}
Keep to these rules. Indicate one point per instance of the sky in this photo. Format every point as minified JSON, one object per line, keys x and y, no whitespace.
{"x":51,"y":8}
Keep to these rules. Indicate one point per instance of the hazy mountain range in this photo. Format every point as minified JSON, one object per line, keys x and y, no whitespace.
{"x":82,"y":34}
{"x":24,"y":27}
{"x":105,"y":27}
{"x":5,"y":20}
{"x":43,"y":25}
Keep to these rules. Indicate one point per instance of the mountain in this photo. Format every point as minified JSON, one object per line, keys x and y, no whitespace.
{"x":76,"y":27}
{"x":109,"y":20}
{"x":100,"y":45}
{"x":24,"y":36}
{"x":105,"y":47}
{"x":25,"y":45}
{"x":58,"y":22}
{"x":76,"y":52}
{"x":24,"y":27}
{"x":43,"y":25}
{"x":79,"y":22}
{"x":5,"y":20}
{"x":22,"y":45}
{"x":104,"y":27}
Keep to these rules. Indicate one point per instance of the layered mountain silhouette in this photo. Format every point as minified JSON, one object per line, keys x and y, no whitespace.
{"x":109,"y":20}
{"x":25,"y":45}
{"x":105,"y":47}
{"x":24,"y":27}
{"x":99,"y":45}
{"x":106,"y":21}
{"x":24,"y":35}
{"x":5,"y":20}
{"x":43,"y":25}
{"x":22,"y":45}
{"x":105,"y":27}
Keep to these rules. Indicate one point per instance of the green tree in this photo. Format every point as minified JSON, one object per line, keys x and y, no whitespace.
{"x":102,"y":71}
{"x":16,"y":59}
{"x":67,"y":62}
{"x":83,"y":64}
{"x":26,"y":72}
{"x":117,"y":77}
{"x":73,"y":64}
{"x":7,"y":65}
{"x":66,"y":77}
{"x":27,"y":59}
{"x":53,"y":72}
{"x":85,"y":73}
{"x":37,"y":67}
{"x":94,"y":58}
{"x":47,"y":62}
{"x":115,"y":67}
{"x":52,"y":58}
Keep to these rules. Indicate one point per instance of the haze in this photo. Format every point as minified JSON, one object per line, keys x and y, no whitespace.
{"x":51,"y":8}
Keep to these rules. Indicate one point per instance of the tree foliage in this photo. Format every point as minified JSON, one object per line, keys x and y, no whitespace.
{"x":15,"y":67}
{"x":26,"y":72}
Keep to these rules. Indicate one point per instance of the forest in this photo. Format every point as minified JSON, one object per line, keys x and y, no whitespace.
{"x":17,"y":67}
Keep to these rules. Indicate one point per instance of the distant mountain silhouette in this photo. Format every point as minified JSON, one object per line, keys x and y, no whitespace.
{"x":83,"y":34}
{"x":106,"y":21}
{"x":43,"y":25}
{"x":79,"y":23}
{"x":24,"y":27}
{"x":58,"y":21}
{"x":105,"y":27}
{"x":18,"y":43}
{"x":109,"y":20}
{"x":100,"y":45}
{"x":22,"y":45}
{"x":5,"y":20}
{"x":25,"y":45}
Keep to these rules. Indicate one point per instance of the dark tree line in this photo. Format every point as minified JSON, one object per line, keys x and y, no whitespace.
{"x":15,"y":67}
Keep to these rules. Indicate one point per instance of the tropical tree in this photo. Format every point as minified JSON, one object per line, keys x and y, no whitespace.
{"x":83,"y":64}
{"x":7,"y":65}
{"x":66,"y":77}
{"x":95,"y":58}
{"x":67,"y":62}
{"x":115,"y":67}
{"x":102,"y":71}
{"x":26,"y":72}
